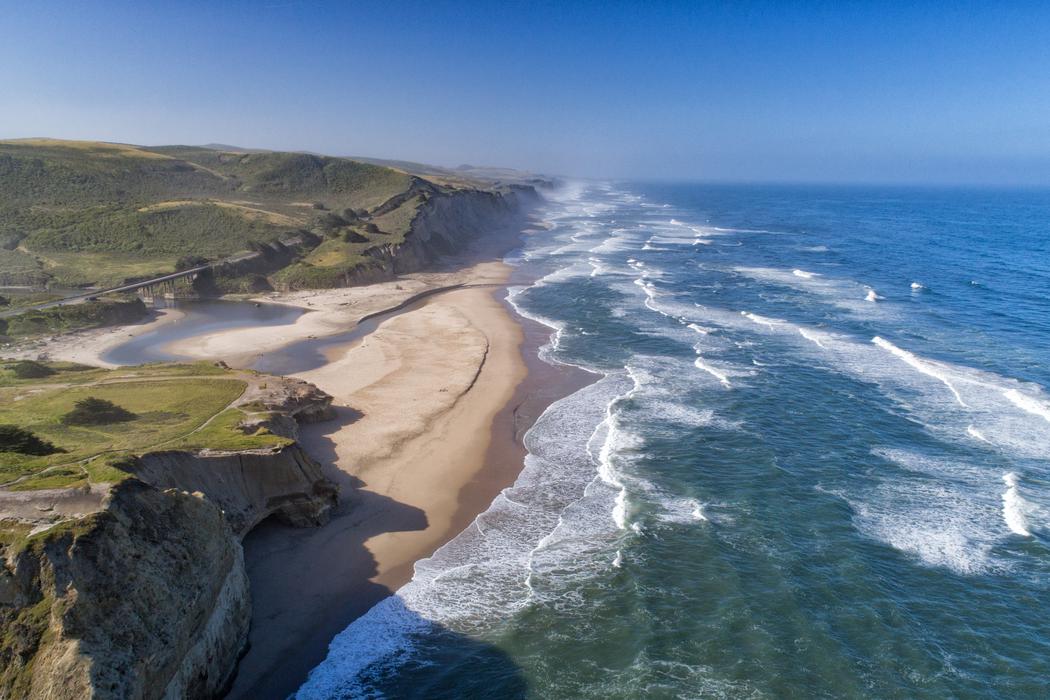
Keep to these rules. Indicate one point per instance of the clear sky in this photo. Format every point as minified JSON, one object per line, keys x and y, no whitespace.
{"x":787,"y":91}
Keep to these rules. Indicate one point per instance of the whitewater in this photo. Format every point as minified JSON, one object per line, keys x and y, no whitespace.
{"x":780,"y":484}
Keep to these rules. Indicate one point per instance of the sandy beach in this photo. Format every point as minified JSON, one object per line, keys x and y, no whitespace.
{"x":431,"y":407}
{"x":417,"y":398}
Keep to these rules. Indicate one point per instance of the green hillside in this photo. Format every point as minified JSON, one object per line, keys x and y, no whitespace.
{"x":78,"y":213}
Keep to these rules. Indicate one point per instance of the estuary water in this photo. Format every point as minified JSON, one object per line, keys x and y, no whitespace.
{"x":815,"y":461}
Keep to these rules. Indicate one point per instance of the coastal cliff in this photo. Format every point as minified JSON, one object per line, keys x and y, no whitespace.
{"x":412,"y":230}
{"x":446,"y":224}
{"x":133,"y":585}
{"x":249,"y":486}
{"x":146,"y":598}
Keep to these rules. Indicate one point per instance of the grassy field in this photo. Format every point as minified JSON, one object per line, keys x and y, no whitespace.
{"x":77,"y":213}
{"x":62,"y":319}
{"x":175,"y":407}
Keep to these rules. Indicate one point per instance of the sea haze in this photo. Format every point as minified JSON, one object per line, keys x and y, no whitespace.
{"x":814,"y":462}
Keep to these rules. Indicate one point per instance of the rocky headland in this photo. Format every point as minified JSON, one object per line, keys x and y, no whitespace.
{"x":135,"y":586}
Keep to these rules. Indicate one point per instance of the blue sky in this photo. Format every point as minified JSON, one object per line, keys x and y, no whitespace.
{"x":761,"y":91}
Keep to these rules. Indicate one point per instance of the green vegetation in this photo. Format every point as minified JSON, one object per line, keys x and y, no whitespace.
{"x":30,"y":369}
{"x":76,"y":214}
{"x":21,"y":372}
{"x":70,"y":317}
{"x":79,"y":424}
{"x":162,"y":231}
{"x":222,"y":432}
{"x":166,"y":410}
{"x":22,"y":441}
{"x":95,"y":411}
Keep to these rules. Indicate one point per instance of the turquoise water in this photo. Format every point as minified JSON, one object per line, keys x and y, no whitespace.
{"x":814,"y":462}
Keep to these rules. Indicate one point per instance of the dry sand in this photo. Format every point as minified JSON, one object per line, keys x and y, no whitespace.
{"x":430,"y":409}
{"x":418,"y":398}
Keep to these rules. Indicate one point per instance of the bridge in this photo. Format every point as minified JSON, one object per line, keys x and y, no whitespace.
{"x":149,"y":288}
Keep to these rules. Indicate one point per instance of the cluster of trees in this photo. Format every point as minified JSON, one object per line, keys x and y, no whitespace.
{"x":24,"y":442}
{"x":92,"y":411}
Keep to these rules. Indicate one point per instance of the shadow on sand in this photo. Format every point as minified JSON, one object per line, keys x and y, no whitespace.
{"x":309,"y":584}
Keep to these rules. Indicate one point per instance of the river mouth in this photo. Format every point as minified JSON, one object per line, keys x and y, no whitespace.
{"x":199,"y":318}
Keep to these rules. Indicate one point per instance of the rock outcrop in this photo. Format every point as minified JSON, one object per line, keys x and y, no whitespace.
{"x":147,"y":598}
{"x":138,"y":590}
{"x":445,"y":224}
{"x":249,"y":486}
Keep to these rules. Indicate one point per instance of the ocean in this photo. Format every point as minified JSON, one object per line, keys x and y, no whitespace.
{"x":814,"y":461}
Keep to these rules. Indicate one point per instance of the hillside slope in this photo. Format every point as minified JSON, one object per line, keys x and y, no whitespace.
{"x":81,"y":214}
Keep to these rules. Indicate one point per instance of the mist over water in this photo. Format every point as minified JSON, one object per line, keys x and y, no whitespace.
{"x":814,"y":463}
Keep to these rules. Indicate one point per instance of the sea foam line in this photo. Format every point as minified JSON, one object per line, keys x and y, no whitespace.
{"x":606,"y":471}
{"x":1013,"y":507}
{"x":920,"y":366}
{"x":720,"y":376}
{"x":1028,"y":404}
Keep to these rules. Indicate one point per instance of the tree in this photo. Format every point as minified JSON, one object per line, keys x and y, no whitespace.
{"x":188,"y":262}
{"x":93,"y":411}
{"x":22,"y":441}
{"x":30,"y":369}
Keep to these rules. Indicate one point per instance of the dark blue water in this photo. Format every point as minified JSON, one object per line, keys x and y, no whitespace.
{"x":815,"y":463}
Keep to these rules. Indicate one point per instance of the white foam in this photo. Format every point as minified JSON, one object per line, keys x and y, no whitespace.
{"x":844,"y":293}
{"x":554,"y":518}
{"x":811,"y":337}
{"x":761,"y":320}
{"x":717,"y":374}
{"x":916,"y":286}
{"x":941,"y":510}
{"x":614,"y":440}
{"x":926,"y":367}
{"x":1028,"y":404}
{"x":1014,"y":507}
{"x":384,"y":634}
{"x":683,"y":511}
{"x":977,"y":434}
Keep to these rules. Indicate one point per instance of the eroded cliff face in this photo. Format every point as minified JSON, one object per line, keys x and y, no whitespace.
{"x":147,"y":598}
{"x":139,"y":590}
{"x":249,"y":486}
{"x":443,"y":225}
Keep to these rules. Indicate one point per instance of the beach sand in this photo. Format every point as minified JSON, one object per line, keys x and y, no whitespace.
{"x":431,"y":408}
{"x":418,"y":398}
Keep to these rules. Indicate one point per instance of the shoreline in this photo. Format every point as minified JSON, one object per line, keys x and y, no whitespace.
{"x":410,"y":501}
{"x":432,"y":404}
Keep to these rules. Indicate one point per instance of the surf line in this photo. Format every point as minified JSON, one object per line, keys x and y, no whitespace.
{"x":918,"y":365}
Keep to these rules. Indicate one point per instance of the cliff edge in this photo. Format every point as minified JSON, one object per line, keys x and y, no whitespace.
{"x":127,"y":579}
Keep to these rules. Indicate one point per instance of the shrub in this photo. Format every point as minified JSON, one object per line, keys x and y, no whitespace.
{"x":30,"y":369}
{"x":92,"y":411}
{"x":329,"y":222}
{"x":22,"y":441}
{"x":4,"y":301}
{"x":187,"y":262}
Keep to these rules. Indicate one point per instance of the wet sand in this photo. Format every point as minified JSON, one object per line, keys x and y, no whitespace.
{"x":433,"y":407}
